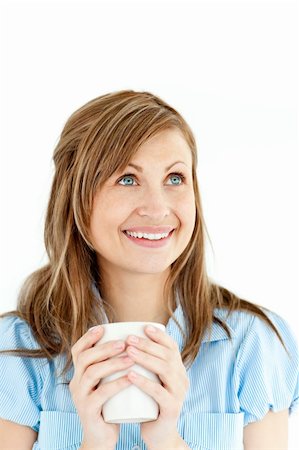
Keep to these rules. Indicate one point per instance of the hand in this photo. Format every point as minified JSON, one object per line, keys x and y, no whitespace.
{"x":91,"y":365}
{"x":160,"y":354}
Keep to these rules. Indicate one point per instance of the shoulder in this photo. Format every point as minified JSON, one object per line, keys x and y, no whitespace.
{"x":16,"y":333}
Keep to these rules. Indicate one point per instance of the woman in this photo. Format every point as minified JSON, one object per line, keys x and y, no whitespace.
{"x":124,"y":233}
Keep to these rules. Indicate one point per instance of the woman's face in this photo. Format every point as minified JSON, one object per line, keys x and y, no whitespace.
{"x":151,"y":197}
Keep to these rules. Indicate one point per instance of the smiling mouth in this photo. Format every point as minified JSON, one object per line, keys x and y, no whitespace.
{"x":150,"y":243}
{"x":147,"y":238}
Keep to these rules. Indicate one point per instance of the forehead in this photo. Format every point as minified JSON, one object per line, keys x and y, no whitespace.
{"x":168,"y":144}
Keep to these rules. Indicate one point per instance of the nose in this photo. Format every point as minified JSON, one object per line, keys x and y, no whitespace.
{"x":154,"y":203}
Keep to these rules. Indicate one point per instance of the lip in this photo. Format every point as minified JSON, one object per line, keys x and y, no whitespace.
{"x":150,"y":230}
{"x":150,"y":244}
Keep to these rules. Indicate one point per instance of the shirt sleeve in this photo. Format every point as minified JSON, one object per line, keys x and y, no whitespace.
{"x":20,"y":377}
{"x":268,"y":377}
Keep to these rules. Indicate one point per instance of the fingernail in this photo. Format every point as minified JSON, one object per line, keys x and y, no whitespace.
{"x":95,"y":329}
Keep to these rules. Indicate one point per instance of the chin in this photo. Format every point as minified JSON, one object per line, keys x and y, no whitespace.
{"x":149,"y":269}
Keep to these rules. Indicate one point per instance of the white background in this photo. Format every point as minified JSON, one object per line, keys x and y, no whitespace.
{"x":229,"y":67}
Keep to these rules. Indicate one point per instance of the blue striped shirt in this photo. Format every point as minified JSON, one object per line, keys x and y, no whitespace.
{"x":232,"y":383}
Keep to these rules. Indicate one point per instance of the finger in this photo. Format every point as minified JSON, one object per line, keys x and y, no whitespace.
{"x":152,"y":388}
{"x":161,"y":337}
{"x":149,"y":362}
{"x":96,"y":372}
{"x":150,"y":347}
{"x":97,"y":354}
{"x":105,"y":391}
{"x":86,"y":341}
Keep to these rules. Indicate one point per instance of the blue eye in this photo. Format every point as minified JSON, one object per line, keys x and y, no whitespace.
{"x":128,"y":175}
{"x":172,"y":175}
{"x":178,"y":175}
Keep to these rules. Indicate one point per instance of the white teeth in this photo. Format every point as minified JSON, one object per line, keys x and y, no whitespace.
{"x":151,"y":237}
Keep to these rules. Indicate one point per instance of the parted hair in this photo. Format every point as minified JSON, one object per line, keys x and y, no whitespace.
{"x":58,"y":300}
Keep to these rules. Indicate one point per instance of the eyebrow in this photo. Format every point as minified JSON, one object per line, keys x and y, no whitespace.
{"x":166,"y":169}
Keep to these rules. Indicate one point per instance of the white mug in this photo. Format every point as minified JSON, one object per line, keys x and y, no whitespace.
{"x":130,"y":404}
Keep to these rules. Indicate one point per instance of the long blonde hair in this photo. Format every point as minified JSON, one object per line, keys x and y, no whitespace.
{"x":57,"y":300}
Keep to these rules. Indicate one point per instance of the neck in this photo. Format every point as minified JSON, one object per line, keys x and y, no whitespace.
{"x":134,"y":297}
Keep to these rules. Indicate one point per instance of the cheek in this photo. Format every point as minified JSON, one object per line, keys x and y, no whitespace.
{"x":108,"y":214}
{"x":187,"y":210}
